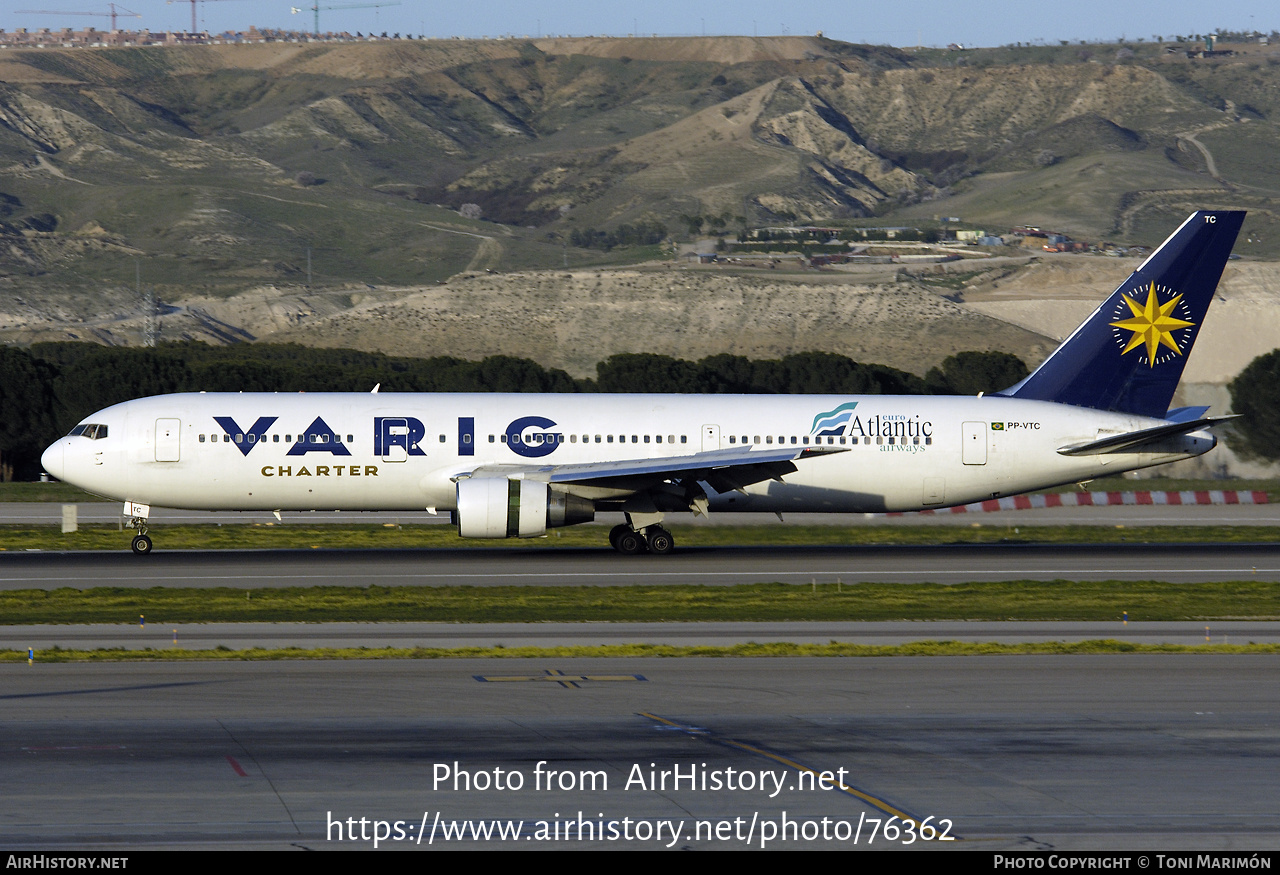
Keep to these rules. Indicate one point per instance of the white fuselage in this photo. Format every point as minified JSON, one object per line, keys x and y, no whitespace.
{"x":404,"y":451}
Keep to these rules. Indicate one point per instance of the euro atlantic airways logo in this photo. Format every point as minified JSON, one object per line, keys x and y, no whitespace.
{"x":832,"y":422}
{"x":1157,"y":326}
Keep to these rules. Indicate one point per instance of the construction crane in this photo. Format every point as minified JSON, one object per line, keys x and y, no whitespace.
{"x":116,"y":11}
{"x":193,"y":9}
{"x":317,"y":7}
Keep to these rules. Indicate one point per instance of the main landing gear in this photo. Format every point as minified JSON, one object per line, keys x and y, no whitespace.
{"x":651,"y":539}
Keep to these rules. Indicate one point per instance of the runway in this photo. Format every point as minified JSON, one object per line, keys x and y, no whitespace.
{"x":1003,"y":753}
{"x":519,"y":565}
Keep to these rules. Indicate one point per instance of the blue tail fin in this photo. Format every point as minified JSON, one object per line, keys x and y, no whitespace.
{"x":1129,"y":355}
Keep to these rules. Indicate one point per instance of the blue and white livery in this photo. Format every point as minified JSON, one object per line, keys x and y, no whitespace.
{"x":516,"y":465}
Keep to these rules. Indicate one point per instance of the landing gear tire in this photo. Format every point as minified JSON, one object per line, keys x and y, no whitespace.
{"x":661,"y":542}
{"x":141,"y":545}
{"x":615,"y":533}
{"x":630,"y":543}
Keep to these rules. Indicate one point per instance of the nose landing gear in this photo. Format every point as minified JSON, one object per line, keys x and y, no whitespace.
{"x":137,"y":514}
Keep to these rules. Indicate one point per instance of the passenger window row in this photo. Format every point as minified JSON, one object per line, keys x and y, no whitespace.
{"x":553,"y":438}
{"x":831,"y":440}
{"x":275,"y":438}
{"x":97,"y":432}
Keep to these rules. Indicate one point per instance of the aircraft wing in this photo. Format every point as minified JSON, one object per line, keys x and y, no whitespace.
{"x":725,"y":470}
{"x":1129,"y":440}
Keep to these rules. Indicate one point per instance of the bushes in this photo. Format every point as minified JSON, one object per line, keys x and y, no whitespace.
{"x":641,"y":234}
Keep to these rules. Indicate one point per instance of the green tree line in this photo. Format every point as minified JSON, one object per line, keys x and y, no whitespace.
{"x":49,"y":387}
{"x":641,"y":234}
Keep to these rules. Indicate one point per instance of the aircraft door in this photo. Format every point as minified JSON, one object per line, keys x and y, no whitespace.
{"x":973,"y":448}
{"x":168,"y":432}
{"x":710,"y":437}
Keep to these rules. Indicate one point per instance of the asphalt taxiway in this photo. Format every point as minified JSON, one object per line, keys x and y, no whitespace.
{"x":518,"y":565}
{"x":1160,"y":752}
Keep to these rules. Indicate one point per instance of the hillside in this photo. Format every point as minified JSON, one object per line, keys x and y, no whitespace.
{"x":313,"y":191}
{"x":686,"y":314}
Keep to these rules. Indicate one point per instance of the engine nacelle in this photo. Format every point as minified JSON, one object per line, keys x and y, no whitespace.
{"x":499,"y":507}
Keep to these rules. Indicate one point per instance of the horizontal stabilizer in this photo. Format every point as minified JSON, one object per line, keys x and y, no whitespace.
{"x":1185,"y":414}
{"x":1129,"y":440}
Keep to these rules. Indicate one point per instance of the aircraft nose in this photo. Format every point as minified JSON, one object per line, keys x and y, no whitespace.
{"x":52,"y":459}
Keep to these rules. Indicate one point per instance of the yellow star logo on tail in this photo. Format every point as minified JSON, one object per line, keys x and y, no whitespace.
{"x":1152,"y":326}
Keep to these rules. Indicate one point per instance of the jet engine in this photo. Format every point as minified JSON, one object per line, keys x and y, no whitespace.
{"x":501,"y":507}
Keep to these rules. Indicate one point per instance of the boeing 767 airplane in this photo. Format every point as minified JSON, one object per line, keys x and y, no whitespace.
{"x":513,"y":466}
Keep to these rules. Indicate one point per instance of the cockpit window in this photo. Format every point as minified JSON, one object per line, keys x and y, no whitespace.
{"x":94,"y":432}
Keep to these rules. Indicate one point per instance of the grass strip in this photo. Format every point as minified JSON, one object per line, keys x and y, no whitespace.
{"x":606,"y":651}
{"x":50,"y":492}
{"x":390,"y":536}
{"x":999,"y":600}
